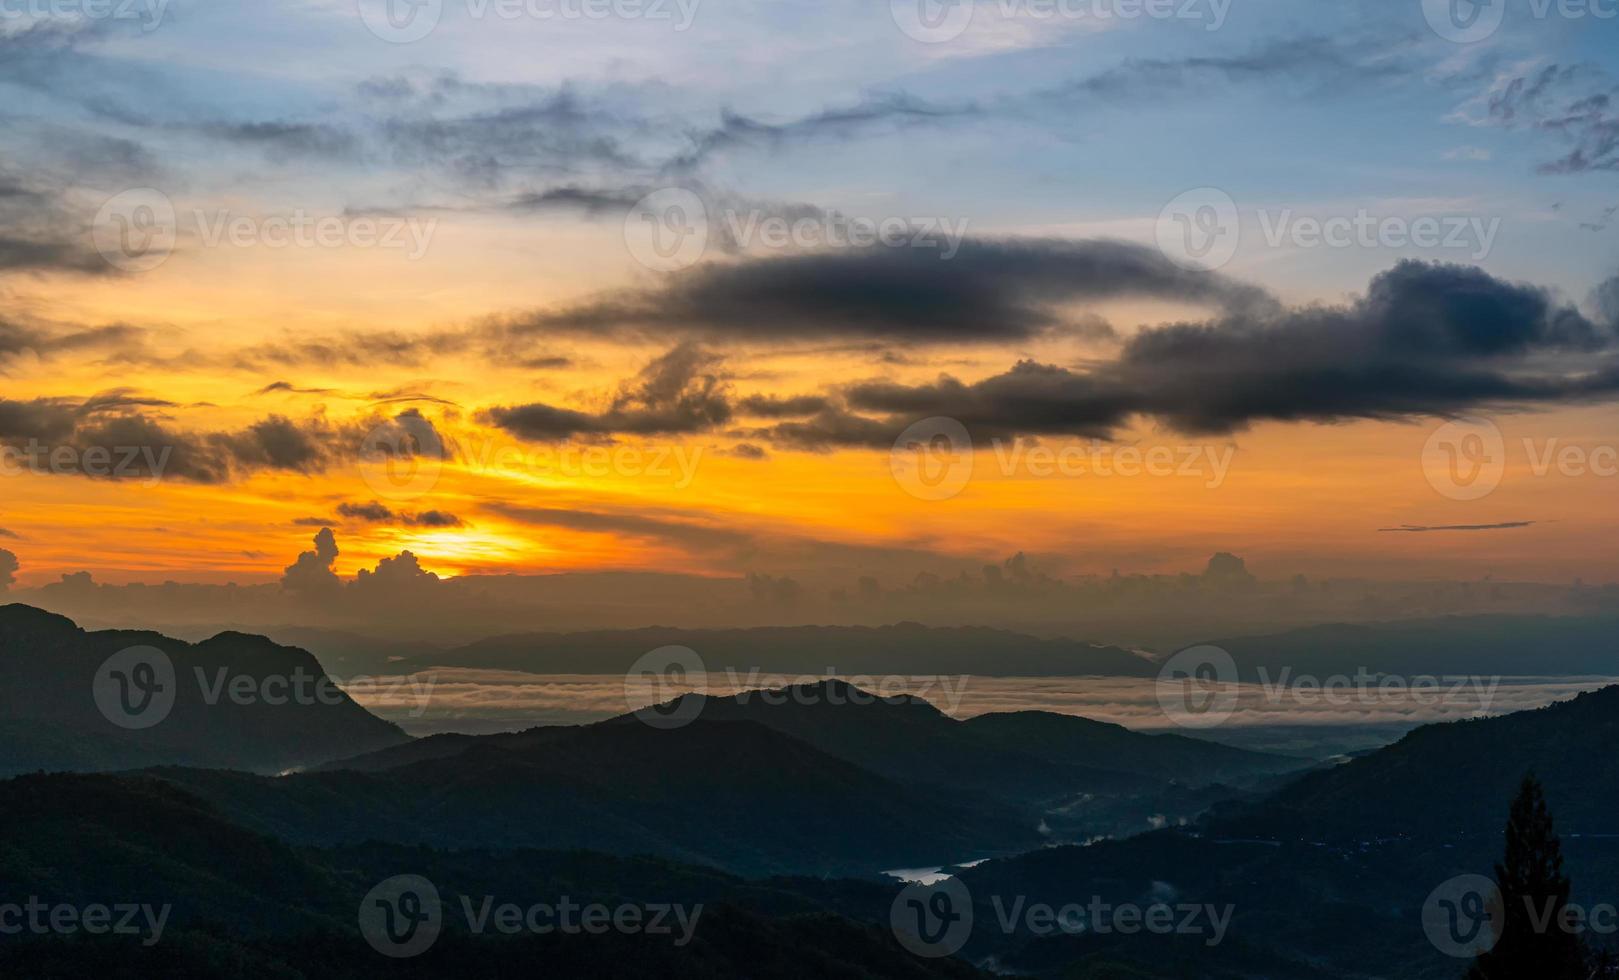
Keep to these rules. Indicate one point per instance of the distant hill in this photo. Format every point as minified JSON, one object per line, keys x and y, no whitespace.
{"x":800,"y":651}
{"x":245,"y":905}
{"x":734,"y":795}
{"x":1075,"y":776}
{"x":1032,"y":755}
{"x":50,"y":719}
{"x":1543,"y":646}
{"x":1457,"y":778}
{"x":1334,"y":857}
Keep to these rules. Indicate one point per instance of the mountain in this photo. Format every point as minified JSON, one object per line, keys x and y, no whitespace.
{"x":734,"y":795}
{"x":68,"y":699}
{"x":804,"y":651}
{"x":1457,"y":778}
{"x":234,"y":903}
{"x":1338,"y":855}
{"x":1032,"y":755}
{"x":1522,"y":646}
{"x":1077,"y":777}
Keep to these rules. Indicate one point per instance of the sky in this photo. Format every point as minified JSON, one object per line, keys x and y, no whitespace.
{"x":725,"y":287}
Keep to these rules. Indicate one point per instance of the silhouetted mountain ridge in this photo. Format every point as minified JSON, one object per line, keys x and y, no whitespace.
{"x":49,"y":712}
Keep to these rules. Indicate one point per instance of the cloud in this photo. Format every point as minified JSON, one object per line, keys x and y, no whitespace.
{"x":108,"y":435}
{"x":1426,"y":339}
{"x":8,"y":569}
{"x":1505,"y":525}
{"x":1576,"y":104}
{"x":990,"y":291}
{"x":674,"y":528}
{"x":676,"y":393}
{"x":312,"y":572}
{"x":376,"y":512}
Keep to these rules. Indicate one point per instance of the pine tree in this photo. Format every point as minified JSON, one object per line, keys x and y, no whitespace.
{"x":1534,"y":893}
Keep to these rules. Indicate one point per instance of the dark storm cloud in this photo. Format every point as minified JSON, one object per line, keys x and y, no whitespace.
{"x":1425,"y":340}
{"x":677,"y":393}
{"x":991,"y":290}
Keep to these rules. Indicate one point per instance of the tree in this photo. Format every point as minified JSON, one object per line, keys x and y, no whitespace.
{"x":1535,"y":940}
